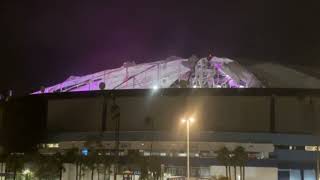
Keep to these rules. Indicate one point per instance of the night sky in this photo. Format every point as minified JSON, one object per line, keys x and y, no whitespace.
{"x":44,"y":42}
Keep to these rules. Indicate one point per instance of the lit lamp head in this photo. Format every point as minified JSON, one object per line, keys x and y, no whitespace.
{"x":190,"y":120}
{"x":155,"y":87}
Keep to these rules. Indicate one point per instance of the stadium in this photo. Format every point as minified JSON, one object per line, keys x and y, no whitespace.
{"x":138,"y":108}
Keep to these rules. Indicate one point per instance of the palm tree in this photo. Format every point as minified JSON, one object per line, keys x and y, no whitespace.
{"x":154,"y":162}
{"x":82,"y":167}
{"x":59,"y":159}
{"x":144,"y":170}
{"x":241,"y":159}
{"x":14,"y":163}
{"x":72,"y":156}
{"x":48,"y":166}
{"x":90,"y":162}
{"x":155,"y":167}
{"x":223,"y":156}
{"x":133,"y":158}
{"x":2,"y":161}
{"x":234,"y":163}
{"x":93,"y":144}
{"x":103,"y":164}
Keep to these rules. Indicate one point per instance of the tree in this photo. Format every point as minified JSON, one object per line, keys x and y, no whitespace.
{"x":135,"y":159}
{"x":155,"y":166}
{"x":104,"y":163}
{"x":2,"y":161}
{"x":94,"y":144}
{"x":59,"y":159}
{"x":150,"y":122}
{"x":154,"y":161}
{"x":72,"y":156}
{"x":237,"y":157}
{"x":14,"y":163}
{"x":144,"y":171}
{"x":48,"y":166}
{"x":234,"y":162}
{"x":90,"y":161}
{"x":223,"y":156}
{"x":241,"y":159}
{"x":82,"y":167}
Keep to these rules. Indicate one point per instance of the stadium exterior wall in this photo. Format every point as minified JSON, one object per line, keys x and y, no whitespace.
{"x":239,"y":112}
{"x":272,"y":117}
{"x":220,"y":110}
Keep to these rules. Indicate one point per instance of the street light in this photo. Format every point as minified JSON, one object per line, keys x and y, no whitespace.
{"x":188,"y":121}
{"x":155,"y":87}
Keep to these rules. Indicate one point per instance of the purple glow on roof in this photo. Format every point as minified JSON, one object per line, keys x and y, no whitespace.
{"x":218,"y":65}
{"x":214,"y":73}
{"x":232,"y":83}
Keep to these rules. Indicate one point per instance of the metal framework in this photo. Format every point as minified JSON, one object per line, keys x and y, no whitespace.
{"x":170,"y":73}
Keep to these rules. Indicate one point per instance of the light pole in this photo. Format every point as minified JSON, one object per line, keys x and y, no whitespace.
{"x":317,"y":171}
{"x":188,"y":121}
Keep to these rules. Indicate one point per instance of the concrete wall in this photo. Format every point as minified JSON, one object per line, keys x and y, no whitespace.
{"x":316,"y":116}
{"x":1,"y":128}
{"x":212,"y":113}
{"x":251,"y":173}
{"x":294,"y":114}
{"x":83,"y":114}
{"x":1,"y":117}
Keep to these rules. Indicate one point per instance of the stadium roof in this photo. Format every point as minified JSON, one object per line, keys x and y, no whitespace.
{"x":175,"y":72}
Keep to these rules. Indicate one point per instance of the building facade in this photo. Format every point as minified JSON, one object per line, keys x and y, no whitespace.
{"x":278,"y":128}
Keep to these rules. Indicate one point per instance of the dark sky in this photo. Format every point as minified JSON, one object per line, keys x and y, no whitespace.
{"x":43,"y":42}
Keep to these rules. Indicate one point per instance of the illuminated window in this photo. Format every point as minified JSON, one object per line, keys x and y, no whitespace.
{"x":310,"y":148}
{"x":182,"y":154}
{"x":55,"y":145}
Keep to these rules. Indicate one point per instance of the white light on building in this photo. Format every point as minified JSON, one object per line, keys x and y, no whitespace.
{"x":182,"y":154}
{"x":26,"y":172}
{"x":155,"y":87}
{"x":163,"y":154}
